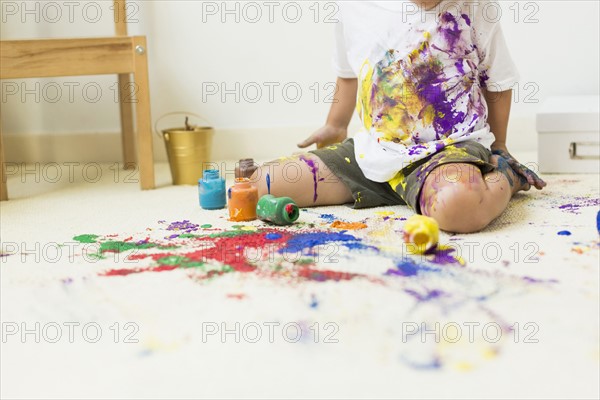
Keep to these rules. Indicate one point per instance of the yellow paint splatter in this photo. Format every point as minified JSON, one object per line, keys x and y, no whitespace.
{"x":463,"y":366}
{"x":249,"y":228}
{"x":399,"y":179}
{"x":152,"y":344}
{"x":385,"y":231}
{"x":385,"y":213}
{"x":347,"y":160}
{"x":363,"y":106}
{"x":489,"y":353}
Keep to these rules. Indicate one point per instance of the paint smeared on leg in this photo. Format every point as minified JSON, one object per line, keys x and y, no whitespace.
{"x":314,"y":169}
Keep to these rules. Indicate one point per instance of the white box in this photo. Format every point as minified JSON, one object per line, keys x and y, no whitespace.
{"x":569,"y":135}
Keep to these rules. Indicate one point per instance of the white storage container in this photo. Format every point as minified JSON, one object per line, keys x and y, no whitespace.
{"x":569,"y":135}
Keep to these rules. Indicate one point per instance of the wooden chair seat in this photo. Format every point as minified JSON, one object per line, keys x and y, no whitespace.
{"x":122,"y":55}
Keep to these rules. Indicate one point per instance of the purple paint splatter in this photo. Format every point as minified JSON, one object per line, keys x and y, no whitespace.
{"x":314,"y":169}
{"x":574,"y":208}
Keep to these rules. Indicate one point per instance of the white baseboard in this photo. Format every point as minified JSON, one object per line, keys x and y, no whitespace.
{"x":228,"y":144}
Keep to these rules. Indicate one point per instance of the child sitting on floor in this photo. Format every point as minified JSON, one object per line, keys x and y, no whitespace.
{"x":431,"y":84}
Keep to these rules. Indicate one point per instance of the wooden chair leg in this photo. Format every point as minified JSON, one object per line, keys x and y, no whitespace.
{"x":3,"y":188}
{"x":126,"y":100}
{"x":142,"y":114}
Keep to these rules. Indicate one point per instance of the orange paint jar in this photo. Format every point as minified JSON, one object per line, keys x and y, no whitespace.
{"x":243,"y":198}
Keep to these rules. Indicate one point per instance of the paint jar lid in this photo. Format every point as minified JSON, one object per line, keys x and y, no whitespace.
{"x":242,"y":182}
{"x":211,"y":174}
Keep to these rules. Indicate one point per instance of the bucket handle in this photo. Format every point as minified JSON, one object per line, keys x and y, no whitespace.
{"x":177,"y":113}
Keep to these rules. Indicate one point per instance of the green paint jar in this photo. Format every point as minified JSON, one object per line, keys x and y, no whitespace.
{"x":277,"y":210}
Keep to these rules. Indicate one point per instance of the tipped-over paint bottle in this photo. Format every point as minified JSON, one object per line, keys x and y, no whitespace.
{"x":243,"y":198}
{"x":245,"y":168}
{"x":423,"y":232}
{"x":278,"y":210}
{"x":211,"y":189}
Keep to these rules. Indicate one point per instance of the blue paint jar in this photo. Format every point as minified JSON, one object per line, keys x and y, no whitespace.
{"x":211,"y":189}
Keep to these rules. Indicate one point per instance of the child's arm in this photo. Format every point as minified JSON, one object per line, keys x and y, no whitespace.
{"x":340,"y":114}
{"x":498,"y":113}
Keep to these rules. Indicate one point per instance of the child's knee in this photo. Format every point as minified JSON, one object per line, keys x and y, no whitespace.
{"x":456,"y":195}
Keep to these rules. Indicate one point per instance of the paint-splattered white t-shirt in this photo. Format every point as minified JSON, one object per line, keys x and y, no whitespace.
{"x":421,"y":75}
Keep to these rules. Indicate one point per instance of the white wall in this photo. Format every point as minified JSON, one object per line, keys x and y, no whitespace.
{"x":556,"y":52}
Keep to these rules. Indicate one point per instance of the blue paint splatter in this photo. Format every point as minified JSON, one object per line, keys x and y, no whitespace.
{"x":408,"y":267}
{"x":564,"y":233}
{"x":598,"y":221}
{"x":314,"y":303}
{"x":535,"y":280}
{"x":309,"y":240}
{"x":273,"y":236}
{"x":435,"y":363}
{"x":328,"y":217}
{"x":405,"y":268}
{"x":431,"y":294}
{"x":268,"y":183}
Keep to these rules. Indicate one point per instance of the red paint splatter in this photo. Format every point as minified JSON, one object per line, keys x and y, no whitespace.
{"x":120,"y":272}
{"x":129,"y":271}
{"x":239,"y":252}
{"x":237,"y":296}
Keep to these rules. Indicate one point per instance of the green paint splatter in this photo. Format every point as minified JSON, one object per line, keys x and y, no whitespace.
{"x":216,"y":235}
{"x":231,"y":234}
{"x":119,"y":247}
{"x":206,"y":226}
{"x":181,"y":262}
{"x":87,"y":238}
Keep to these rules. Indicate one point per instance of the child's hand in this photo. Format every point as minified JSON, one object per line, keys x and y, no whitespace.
{"x":519,"y":168}
{"x":325,"y":136}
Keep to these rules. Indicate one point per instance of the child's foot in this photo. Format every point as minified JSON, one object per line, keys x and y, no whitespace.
{"x":516,"y":181}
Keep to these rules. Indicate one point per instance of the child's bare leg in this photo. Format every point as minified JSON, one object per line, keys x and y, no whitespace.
{"x":304,"y":178}
{"x":463,"y":200}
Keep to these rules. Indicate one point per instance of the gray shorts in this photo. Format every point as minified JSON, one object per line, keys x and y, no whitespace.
{"x":405,"y":188}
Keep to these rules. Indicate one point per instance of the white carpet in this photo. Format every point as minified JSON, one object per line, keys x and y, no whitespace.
{"x":352,"y":301}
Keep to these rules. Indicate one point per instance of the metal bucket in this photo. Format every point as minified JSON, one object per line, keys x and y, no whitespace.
{"x":187,"y":151}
